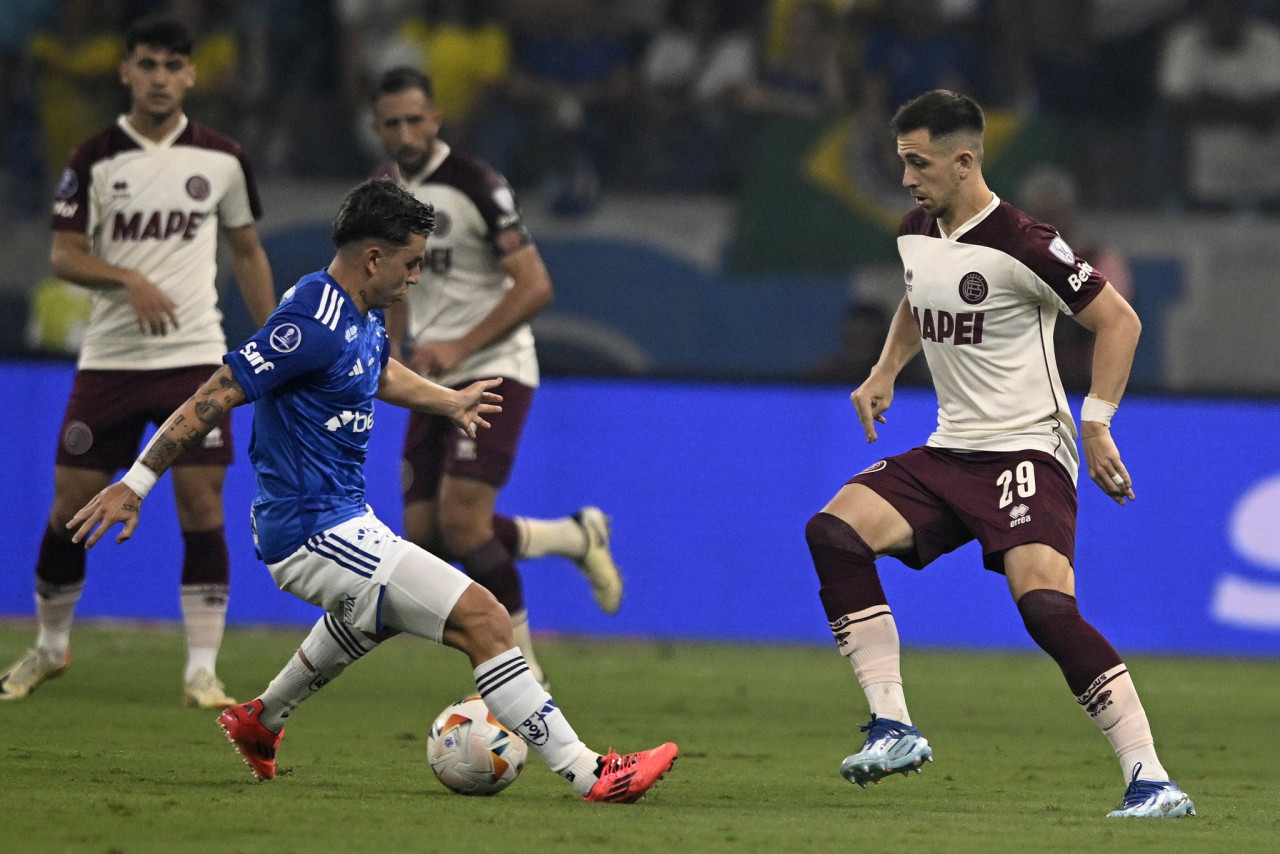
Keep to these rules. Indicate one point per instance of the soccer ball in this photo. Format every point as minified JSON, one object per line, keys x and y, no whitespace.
{"x":471,"y":753}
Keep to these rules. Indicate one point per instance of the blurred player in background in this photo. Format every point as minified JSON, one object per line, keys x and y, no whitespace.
{"x":483,"y":280}
{"x":984,"y":285}
{"x":136,"y":220}
{"x":313,"y":373}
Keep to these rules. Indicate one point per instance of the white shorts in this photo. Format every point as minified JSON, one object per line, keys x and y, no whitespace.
{"x":345,"y":570}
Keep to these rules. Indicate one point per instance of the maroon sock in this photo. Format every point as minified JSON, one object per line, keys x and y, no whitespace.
{"x":205,"y":559}
{"x":1053,"y":620}
{"x":504,"y":528}
{"x":846,"y":567}
{"x":61,"y":562}
{"x":491,"y":565}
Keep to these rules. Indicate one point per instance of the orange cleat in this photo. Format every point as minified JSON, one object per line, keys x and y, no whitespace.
{"x":251,"y":739}
{"x":626,"y":779}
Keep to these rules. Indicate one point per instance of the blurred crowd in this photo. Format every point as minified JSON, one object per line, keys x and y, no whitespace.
{"x":1151,"y":103}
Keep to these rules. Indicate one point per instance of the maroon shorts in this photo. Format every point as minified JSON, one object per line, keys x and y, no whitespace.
{"x":108,"y":411}
{"x":1000,"y":499}
{"x":434,"y":447}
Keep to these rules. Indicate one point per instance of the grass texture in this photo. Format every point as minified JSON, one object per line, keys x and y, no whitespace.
{"x":105,"y":759}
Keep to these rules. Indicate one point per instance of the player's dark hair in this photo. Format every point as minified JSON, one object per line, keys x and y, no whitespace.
{"x":159,"y":31}
{"x":941,"y":112}
{"x":379,"y":209}
{"x":400,"y":79}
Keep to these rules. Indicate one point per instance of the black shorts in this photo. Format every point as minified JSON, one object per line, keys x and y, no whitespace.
{"x":1002,"y":500}
{"x":108,"y":411}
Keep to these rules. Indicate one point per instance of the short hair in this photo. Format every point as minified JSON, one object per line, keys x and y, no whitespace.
{"x":400,"y":79}
{"x":942,"y":113}
{"x":160,"y":31}
{"x":381,"y":210}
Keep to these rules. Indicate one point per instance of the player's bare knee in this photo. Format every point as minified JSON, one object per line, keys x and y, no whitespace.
{"x":478,"y":625}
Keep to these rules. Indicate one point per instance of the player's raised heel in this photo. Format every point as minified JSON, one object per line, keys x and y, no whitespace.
{"x":892,"y":747}
{"x":253,"y":741}
{"x":597,"y":564}
{"x":1153,"y":799}
{"x":625,"y":779}
{"x":28,"y":672}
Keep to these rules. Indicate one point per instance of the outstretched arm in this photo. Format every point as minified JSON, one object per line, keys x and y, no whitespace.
{"x":185,"y":428}
{"x":873,"y":398}
{"x":1116,"y":328}
{"x":466,"y":407}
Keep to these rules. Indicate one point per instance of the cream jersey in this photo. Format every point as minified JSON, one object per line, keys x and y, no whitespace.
{"x":985,"y":300}
{"x":477,"y":223}
{"x":156,"y":207}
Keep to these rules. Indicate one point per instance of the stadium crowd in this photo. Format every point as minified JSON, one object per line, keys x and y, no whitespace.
{"x":577,"y":97}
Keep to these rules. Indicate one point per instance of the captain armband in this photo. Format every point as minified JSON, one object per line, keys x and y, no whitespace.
{"x":1097,"y":409}
{"x":140,"y":479}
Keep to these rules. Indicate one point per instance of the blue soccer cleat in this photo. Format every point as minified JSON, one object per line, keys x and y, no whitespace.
{"x":1153,"y":799}
{"x":892,"y":747}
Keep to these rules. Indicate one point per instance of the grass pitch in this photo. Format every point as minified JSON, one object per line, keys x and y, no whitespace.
{"x":105,"y":759}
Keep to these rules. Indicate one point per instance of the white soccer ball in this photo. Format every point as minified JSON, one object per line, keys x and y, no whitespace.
{"x":471,"y":753}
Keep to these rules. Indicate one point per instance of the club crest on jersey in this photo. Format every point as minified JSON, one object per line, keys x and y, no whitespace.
{"x":874,"y":467}
{"x":68,"y":184}
{"x":286,"y":337}
{"x":444,"y":223}
{"x":198,"y":187}
{"x":973,"y":288}
{"x":1060,"y":248}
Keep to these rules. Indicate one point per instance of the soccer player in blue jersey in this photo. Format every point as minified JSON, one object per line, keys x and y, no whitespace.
{"x":312,"y":373}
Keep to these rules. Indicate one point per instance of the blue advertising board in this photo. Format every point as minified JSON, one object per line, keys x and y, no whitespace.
{"x":710,"y":487}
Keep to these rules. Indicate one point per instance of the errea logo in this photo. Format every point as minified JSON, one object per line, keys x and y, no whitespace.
{"x":360,"y":422}
{"x":1019,"y":515}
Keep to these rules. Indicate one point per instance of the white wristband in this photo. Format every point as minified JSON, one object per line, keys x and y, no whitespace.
{"x":140,"y":479}
{"x":1097,"y":409}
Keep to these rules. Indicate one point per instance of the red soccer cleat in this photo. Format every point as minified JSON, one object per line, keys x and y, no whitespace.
{"x":625,"y":779}
{"x":251,"y":739}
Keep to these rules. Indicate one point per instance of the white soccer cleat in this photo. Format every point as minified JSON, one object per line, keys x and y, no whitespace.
{"x":892,"y":747}
{"x":597,"y":564}
{"x":29,"y":671}
{"x":1154,"y":799}
{"x":205,"y":691}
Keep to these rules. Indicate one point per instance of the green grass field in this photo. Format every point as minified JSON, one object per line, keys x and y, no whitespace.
{"x":105,"y":759}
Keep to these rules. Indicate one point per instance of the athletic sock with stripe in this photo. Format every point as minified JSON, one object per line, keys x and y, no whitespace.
{"x":331,"y":646}
{"x":522,"y":705}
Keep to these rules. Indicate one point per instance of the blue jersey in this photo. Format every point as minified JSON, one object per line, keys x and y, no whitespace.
{"x":311,"y":373}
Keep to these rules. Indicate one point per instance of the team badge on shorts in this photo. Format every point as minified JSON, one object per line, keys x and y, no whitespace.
{"x":198,"y":187}
{"x":874,"y":467}
{"x":77,"y":438}
{"x":973,"y":288}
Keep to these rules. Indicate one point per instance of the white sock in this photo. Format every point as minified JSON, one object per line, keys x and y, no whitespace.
{"x":1141,"y":764}
{"x":541,"y":537}
{"x":520,"y":703}
{"x":869,"y":638}
{"x":204,"y":616}
{"x":326,"y":652}
{"x":55,"y":611}
{"x":1112,"y":702}
{"x":887,"y":701}
{"x":520,"y":628}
